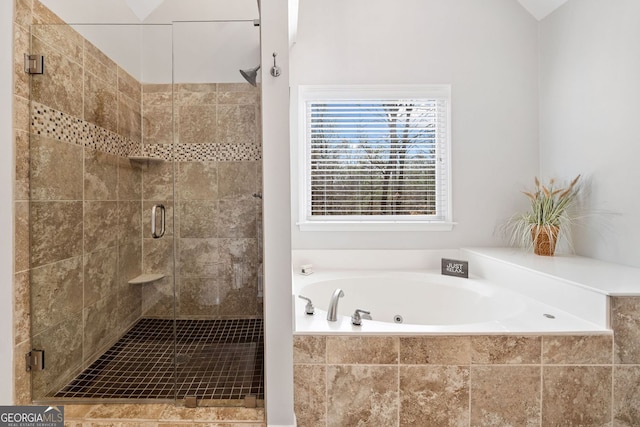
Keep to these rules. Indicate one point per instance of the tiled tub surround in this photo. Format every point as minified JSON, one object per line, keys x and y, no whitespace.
{"x":83,"y":201}
{"x":497,"y":379}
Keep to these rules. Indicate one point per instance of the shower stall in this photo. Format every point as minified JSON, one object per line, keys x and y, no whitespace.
{"x":146,"y":214}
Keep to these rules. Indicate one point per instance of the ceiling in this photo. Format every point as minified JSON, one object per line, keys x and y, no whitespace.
{"x":163,"y":11}
{"x":541,"y":8}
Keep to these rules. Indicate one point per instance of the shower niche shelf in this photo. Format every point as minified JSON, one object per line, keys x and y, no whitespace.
{"x":145,"y":161}
{"x":145,"y":278}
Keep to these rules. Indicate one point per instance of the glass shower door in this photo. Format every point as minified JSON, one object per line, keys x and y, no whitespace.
{"x":102,"y":287}
{"x":146,"y":214}
{"x":218,"y":213}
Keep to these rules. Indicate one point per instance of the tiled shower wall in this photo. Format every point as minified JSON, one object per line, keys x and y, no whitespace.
{"x":77,"y":203}
{"x":89,"y":203}
{"x":217,"y":206}
{"x":472,"y":380}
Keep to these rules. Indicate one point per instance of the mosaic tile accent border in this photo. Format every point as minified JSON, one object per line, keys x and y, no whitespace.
{"x":62,"y":127}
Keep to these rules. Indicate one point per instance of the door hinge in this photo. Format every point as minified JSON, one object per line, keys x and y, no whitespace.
{"x":35,"y":360}
{"x":33,"y":64}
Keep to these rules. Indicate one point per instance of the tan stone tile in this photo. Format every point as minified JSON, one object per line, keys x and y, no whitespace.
{"x":100,"y":221}
{"x":177,"y":413}
{"x":198,"y":296}
{"x":21,"y":187}
{"x":56,"y":231}
{"x":100,"y":175}
{"x":505,"y":350}
{"x":190,"y":94}
{"x":61,"y":86}
{"x":238,"y":97}
{"x":129,"y":118}
{"x":237,"y":87}
{"x":309,"y":349}
{"x":198,"y":257}
{"x":21,"y":308}
{"x":21,"y":115}
{"x":157,"y":182}
{"x":100,"y":65}
{"x":362,"y":350}
{"x":208,"y":424}
{"x":625,"y":322}
{"x":434,"y":396}
{"x":23,"y":12}
{"x":198,"y":218}
{"x":238,"y":294}
{"x":197,"y":181}
{"x":158,"y":298}
{"x":21,"y":378}
{"x":63,"y":345}
{"x":310,"y":395}
{"x":129,"y":180}
{"x":577,"y":350}
{"x":435,"y":350}
{"x":237,"y":124}
{"x":157,"y":124}
{"x":505,"y":395}
{"x":56,"y":293}
{"x":100,"y":274}
{"x":129,"y":296}
{"x":158,"y":256}
{"x":100,"y":325}
{"x":100,"y":103}
{"x":362,"y":395}
{"x":21,"y":236}
{"x":126,"y":411}
{"x":197,"y":124}
{"x":157,"y":88}
{"x":43,"y":15}
{"x":576,"y":395}
{"x":129,"y":86}
{"x":237,"y":179}
{"x":236,"y":218}
{"x":56,"y":169}
{"x":61,"y":37}
{"x":130,"y":221}
{"x":76,"y":411}
{"x":237,"y":254}
{"x":626,"y":395}
{"x":20,"y":47}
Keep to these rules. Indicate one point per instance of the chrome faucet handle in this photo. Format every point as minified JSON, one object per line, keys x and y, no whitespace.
{"x":358,"y":315}
{"x":309,"y":309}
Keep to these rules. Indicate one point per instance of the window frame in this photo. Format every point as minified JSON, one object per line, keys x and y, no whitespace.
{"x":307,"y":93}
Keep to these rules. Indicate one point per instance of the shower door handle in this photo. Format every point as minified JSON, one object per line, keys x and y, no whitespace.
{"x":154,"y":228}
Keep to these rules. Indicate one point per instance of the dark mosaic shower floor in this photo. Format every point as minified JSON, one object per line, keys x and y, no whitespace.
{"x":216,"y":359}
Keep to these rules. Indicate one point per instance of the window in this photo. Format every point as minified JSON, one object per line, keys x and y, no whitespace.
{"x":375,"y":156}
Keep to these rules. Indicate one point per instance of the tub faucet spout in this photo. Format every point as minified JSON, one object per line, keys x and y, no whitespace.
{"x":332,"y":312}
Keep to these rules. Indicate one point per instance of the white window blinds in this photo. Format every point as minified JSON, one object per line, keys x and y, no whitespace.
{"x":377,"y":159}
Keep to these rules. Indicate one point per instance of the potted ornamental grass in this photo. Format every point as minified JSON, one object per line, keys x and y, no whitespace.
{"x":551,"y":214}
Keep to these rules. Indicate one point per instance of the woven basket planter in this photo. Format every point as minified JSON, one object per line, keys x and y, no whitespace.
{"x":544,"y":239}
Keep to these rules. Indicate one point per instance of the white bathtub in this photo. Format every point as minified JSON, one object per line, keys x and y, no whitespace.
{"x":426,"y":302}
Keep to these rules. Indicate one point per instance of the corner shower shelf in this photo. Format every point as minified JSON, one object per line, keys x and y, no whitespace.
{"x":145,"y":278}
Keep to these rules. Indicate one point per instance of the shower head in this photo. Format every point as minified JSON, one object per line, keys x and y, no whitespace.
{"x":250,"y":75}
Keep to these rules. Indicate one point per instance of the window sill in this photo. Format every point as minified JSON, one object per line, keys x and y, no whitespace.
{"x":375,"y":226}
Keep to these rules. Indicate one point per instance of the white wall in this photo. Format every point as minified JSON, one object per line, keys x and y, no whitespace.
{"x":590,"y":117}
{"x":277,"y":239}
{"x":487,"y":50}
{"x":6,"y":201}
